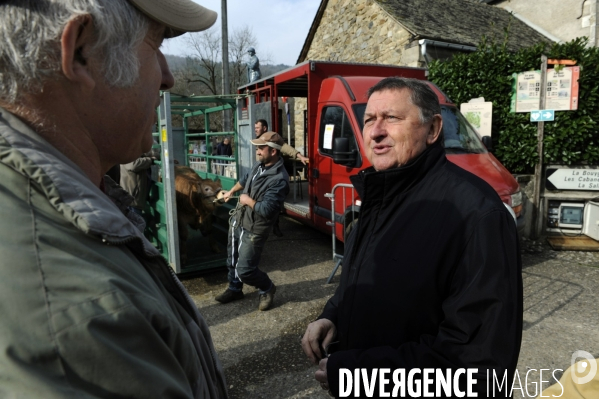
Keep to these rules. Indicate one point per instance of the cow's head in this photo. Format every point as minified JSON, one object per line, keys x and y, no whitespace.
{"x":209,"y":193}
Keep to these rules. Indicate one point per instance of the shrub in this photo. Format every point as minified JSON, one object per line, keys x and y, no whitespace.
{"x":571,"y":139}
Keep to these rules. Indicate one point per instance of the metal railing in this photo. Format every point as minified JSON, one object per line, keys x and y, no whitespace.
{"x":338,"y":258}
{"x":226,"y":168}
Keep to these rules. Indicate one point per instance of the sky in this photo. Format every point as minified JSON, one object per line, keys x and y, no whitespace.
{"x":280,"y":26}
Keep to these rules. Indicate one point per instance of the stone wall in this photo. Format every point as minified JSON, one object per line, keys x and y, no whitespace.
{"x":300,"y":105}
{"x":358,"y":31}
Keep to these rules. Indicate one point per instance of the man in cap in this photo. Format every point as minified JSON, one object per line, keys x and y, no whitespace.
{"x":287,"y":151}
{"x":89,"y":307}
{"x":261,"y":126}
{"x":264,"y":190}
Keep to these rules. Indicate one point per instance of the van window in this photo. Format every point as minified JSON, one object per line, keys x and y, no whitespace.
{"x":335,"y":123}
{"x":460,"y":136}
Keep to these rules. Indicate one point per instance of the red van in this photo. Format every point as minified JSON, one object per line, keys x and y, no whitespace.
{"x":333,"y":121}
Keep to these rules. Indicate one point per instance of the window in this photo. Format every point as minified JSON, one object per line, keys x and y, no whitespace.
{"x":460,"y":137}
{"x":334,"y":123}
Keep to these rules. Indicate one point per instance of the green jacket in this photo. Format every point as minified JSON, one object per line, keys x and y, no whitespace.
{"x":88,"y":307}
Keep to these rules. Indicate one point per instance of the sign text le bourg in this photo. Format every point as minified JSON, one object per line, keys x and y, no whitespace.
{"x":572,"y":179}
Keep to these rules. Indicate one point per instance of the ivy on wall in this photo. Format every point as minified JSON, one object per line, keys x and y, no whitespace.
{"x":573,"y":138}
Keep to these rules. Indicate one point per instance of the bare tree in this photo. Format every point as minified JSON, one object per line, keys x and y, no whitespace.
{"x":203,"y":67}
{"x":202,"y":73}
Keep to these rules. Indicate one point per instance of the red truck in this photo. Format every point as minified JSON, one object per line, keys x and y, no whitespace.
{"x":333,"y":121}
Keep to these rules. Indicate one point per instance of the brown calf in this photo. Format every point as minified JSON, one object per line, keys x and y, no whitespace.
{"x":197,"y":199}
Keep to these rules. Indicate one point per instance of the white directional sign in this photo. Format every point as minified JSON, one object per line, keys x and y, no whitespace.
{"x":572,"y":179}
{"x":545,"y":115}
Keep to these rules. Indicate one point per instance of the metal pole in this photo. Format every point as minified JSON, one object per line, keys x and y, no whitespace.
{"x":225,"y":44}
{"x":168,"y":180}
{"x":537,"y":219}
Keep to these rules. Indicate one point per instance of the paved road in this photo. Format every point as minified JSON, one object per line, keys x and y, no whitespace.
{"x":261,"y":352}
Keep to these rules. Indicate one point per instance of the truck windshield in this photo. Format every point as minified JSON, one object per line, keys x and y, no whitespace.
{"x":460,"y":136}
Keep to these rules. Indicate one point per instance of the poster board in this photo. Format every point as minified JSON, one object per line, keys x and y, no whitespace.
{"x":561,"y":93}
{"x":480,"y":116}
{"x":562,"y":89}
{"x":526,"y":91}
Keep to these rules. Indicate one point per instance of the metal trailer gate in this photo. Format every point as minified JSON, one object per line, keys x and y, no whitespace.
{"x":174,"y":144}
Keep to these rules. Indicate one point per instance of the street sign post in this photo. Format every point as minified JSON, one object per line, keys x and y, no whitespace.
{"x":545,"y":115}
{"x":572,"y":179}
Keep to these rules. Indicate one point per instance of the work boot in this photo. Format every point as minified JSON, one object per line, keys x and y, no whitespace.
{"x":267,"y":299}
{"x":277,"y":231}
{"x":229,"y":296}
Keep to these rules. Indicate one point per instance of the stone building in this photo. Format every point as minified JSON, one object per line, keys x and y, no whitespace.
{"x":406,"y":33}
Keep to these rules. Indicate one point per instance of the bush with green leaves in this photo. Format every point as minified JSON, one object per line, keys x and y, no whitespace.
{"x":573,"y":138}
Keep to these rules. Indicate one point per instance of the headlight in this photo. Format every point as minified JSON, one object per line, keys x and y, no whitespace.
{"x":516,"y":199}
{"x":517,"y":203}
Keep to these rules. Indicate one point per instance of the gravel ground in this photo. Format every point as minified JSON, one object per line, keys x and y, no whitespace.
{"x":261,"y":352}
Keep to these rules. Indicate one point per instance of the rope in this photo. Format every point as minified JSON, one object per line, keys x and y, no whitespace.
{"x":233,"y":212}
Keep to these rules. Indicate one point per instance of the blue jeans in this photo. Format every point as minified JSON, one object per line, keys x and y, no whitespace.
{"x":244,"y":251}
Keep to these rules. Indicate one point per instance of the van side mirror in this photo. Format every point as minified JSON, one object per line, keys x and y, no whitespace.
{"x":342,"y":154}
{"x":488,"y":143}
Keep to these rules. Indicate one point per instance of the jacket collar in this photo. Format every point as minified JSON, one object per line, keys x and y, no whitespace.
{"x":373,"y":185}
{"x":65,"y":185}
{"x":272,"y":170}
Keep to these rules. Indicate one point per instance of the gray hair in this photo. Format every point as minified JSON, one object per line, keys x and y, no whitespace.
{"x":421,"y":95}
{"x":30,"y":41}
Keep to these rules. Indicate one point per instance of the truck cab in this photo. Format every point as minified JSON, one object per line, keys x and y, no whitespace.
{"x":336,"y":101}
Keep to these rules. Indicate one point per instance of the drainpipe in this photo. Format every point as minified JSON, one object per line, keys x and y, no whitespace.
{"x":593,"y":27}
{"x":423,"y":51}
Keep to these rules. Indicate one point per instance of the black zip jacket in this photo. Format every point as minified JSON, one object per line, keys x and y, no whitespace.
{"x":431,"y":276}
{"x":269,"y":188}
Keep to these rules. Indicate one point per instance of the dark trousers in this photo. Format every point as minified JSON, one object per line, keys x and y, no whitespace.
{"x":244,"y":251}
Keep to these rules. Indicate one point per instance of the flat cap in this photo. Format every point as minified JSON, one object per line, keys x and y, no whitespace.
{"x":179,"y":15}
{"x":270,"y":139}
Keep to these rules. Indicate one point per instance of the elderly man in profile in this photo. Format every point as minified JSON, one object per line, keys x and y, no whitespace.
{"x":432,"y":273}
{"x":88,"y":307}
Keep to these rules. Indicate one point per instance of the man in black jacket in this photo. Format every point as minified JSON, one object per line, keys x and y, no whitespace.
{"x":264,"y":190}
{"x":432,"y":273}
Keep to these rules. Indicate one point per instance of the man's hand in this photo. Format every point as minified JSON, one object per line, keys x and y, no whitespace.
{"x":228,"y":195}
{"x":321,"y":374}
{"x":302,"y":158}
{"x":318,"y":336}
{"x":245,"y":199}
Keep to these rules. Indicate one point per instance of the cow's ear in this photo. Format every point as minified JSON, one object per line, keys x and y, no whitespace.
{"x":217,"y":179}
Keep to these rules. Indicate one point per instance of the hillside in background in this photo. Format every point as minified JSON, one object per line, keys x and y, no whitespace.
{"x":179,"y":64}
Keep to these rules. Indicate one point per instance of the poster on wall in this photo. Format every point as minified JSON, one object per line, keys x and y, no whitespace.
{"x":479,"y":114}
